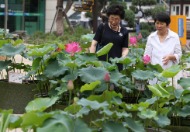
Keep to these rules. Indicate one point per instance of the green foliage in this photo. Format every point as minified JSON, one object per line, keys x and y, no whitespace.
{"x":157,"y":9}
{"x":144,"y":2}
{"x":40,"y":38}
{"x":130,"y":18}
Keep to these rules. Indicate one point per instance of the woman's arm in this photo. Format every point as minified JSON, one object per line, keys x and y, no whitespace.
{"x":124,"y":52}
{"x":176,"y":56}
{"x":92,"y":48}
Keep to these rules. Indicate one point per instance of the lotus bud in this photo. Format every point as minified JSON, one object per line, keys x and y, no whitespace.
{"x":75,"y":100}
{"x":112,"y":87}
{"x":146,"y":59}
{"x":70,"y":85}
{"x":107,"y":77}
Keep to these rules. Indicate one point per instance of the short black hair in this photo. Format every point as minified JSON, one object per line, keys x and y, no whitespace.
{"x":116,"y":10}
{"x":162,"y":17}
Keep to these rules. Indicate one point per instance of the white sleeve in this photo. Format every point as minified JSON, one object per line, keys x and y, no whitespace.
{"x":148,"y":48}
{"x":177,"y":51}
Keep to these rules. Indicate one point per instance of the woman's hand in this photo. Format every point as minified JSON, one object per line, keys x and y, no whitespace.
{"x":167,"y":58}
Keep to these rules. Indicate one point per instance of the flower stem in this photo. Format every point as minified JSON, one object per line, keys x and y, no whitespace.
{"x":70,"y":96}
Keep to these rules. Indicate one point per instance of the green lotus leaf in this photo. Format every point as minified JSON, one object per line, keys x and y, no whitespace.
{"x":184,"y":112}
{"x":34,"y":119}
{"x":147,"y":114}
{"x":88,"y":37}
{"x":73,"y":109}
{"x":178,"y":93}
{"x":152,"y":100}
{"x":156,"y":68}
{"x":135,"y":126}
{"x":155,"y":91}
{"x":70,"y":75}
{"x":92,"y":104}
{"x":86,"y":57}
{"x":143,"y":75}
{"x":4,"y":64}
{"x":159,"y":91}
{"x":10,"y":50}
{"x":115,"y":76}
{"x":123,"y":114}
{"x":4,"y":120}
{"x":106,"y":96}
{"x":162,"y":120}
{"x":40,"y":52}
{"x":187,"y":60}
{"x":137,"y":107}
{"x":105,"y":49}
{"x":114,"y":127}
{"x":184,"y":82}
{"x":63,"y":123}
{"x":18,"y":41}
{"x":172,"y":71}
{"x":107,"y":112}
{"x":163,"y":91}
{"x":54,"y":69}
{"x":90,"y":86}
{"x":92,"y":74}
{"x":40,"y":104}
{"x":3,"y":42}
{"x":186,"y":98}
{"x":15,"y":121}
{"x":36,"y":63}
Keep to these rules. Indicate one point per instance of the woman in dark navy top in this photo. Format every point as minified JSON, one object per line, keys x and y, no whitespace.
{"x":112,"y":32}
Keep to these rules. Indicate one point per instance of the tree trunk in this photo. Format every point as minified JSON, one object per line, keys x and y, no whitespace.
{"x":68,"y":6}
{"x":59,"y":19}
{"x":60,"y":16}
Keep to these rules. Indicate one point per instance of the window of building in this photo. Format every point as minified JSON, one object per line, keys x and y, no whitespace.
{"x":186,"y":10}
{"x":175,"y":9}
{"x":25,"y":15}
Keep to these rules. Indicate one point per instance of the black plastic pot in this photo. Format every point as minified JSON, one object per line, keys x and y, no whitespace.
{"x":16,"y":96}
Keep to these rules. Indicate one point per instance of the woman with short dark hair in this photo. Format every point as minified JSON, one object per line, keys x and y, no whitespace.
{"x":163,"y":45}
{"x":112,"y":32}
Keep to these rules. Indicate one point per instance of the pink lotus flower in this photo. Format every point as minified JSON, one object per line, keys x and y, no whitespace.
{"x":133,"y":41}
{"x":70,"y":85}
{"x":72,"y":48}
{"x":107,"y":77}
{"x":146,"y":59}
